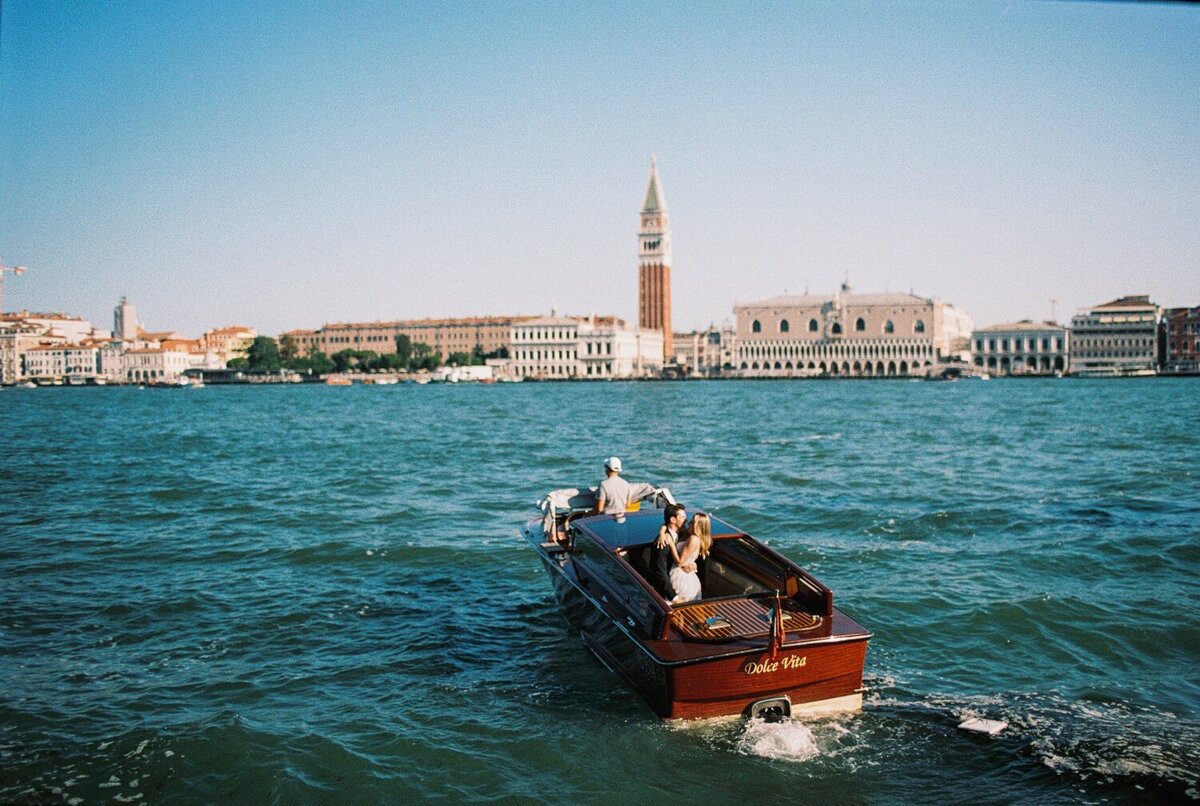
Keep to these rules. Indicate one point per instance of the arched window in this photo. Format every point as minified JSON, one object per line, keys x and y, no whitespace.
{"x":784,"y":327}
{"x":860,"y":325}
{"x":836,"y":329}
{"x":919,"y":327}
{"x":756,"y":327}
{"x":888,"y":327}
{"x":813,"y":327}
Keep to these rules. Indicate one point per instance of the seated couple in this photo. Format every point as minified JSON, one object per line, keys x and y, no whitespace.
{"x":673,"y":557}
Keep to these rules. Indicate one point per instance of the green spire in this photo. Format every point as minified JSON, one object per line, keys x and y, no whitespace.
{"x":654,"y":202}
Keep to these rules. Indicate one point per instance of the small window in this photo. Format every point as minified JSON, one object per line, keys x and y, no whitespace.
{"x":784,"y":327}
{"x":813,"y":327}
{"x":836,"y":329}
{"x":920,"y":326}
{"x":889,"y":327}
{"x":756,"y":327}
{"x":860,"y":325}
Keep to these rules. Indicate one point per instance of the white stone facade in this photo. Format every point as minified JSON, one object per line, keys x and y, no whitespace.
{"x":66,"y":361}
{"x":17,"y":337}
{"x":155,"y":365}
{"x":1022,"y":348}
{"x":562,"y":348}
{"x":847,"y":334}
{"x":706,"y":353}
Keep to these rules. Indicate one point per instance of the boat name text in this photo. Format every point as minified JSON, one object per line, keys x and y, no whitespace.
{"x":768,"y":666}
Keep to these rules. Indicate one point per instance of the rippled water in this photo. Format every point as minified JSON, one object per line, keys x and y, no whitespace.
{"x":318,"y":594}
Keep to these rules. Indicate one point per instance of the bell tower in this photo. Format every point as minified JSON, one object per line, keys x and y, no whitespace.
{"x":654,"y":262}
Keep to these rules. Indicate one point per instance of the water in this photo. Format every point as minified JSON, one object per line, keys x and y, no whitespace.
{"x":318,"y":594}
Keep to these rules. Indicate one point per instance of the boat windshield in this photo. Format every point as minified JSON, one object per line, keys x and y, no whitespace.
{"x":637,"y":528}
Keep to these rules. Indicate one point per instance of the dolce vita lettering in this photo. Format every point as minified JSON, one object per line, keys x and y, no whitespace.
{"x":768,"y":666}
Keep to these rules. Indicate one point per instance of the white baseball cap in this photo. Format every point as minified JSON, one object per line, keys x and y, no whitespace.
{"x":613,"y":463}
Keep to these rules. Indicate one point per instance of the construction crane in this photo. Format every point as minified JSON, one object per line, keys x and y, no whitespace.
{"x":13,"y":270}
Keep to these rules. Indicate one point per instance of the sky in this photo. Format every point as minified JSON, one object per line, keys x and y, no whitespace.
{"x":285,"y":165}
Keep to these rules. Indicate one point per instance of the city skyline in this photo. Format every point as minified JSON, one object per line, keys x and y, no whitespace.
{"x":289,"y":166}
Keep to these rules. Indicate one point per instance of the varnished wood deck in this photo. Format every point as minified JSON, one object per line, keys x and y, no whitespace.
{"x":729,"y":619}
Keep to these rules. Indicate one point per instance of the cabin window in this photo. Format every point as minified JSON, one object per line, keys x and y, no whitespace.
{"x":607,"y":575}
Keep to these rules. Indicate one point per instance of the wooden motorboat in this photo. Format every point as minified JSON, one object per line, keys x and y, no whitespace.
{"x":764,"y":639}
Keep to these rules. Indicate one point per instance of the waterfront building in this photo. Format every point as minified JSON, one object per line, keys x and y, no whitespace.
{"x":1022,"y":348}
{"x":444,"y":336}
{"x":706,"y":353}
{"x":156,"y":364}
{"x":1182,"y":340}
{"x":847,"y":334}
{"x":654,"y":263}
{"x":228,"y":343}
{"x":25,"y":330}
{"x":125,"y":323}
{"x":1116,"y":338}
{"x":112,"y":360}
{"x":71,"y":362}
{"x":566,"y":347}
{"x":17,"y":337}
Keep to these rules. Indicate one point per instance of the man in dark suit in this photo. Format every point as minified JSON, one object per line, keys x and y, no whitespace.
{"x":661,"y":558}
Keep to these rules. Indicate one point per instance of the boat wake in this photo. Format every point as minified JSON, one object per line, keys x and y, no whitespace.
{"x":1101,"y":742}
{"x":789,"y":740}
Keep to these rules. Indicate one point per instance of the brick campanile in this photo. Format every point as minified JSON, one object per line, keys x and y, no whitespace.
{"x":654,"y":262}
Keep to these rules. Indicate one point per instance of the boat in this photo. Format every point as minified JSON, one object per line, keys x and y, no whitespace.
{"x":763,"y":641}
{"x":337,"y":380}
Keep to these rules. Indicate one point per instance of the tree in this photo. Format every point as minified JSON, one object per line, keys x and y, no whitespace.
{"x":459,"y":359}
{"x":263,"y":355}
{"x":350,"y":360}
{"x":288,"y":349}
{"x":404,"y":350}
{"x":424,"y":357}
{"x":318,"y":362}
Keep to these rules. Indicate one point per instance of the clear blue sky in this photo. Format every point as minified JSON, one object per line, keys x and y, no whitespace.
{"x":285,"y":165}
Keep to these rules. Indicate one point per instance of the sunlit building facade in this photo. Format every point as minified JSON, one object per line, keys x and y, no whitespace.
{"x":1022,"y":348}
{"x":847,"y":335}
{"x":1116,"y":338}
{"x":583,"y":348}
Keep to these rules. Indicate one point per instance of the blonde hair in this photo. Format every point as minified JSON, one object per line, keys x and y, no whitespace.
{"x":701,"y":529}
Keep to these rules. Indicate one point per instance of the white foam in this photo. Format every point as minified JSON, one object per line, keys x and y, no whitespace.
{"x":988,"y":726}
{"x":788,"y":740}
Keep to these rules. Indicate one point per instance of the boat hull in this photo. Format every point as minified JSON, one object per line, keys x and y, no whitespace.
{"x":815,"y":676}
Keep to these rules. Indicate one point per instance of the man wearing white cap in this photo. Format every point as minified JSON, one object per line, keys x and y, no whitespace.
{"x":613,"y":496}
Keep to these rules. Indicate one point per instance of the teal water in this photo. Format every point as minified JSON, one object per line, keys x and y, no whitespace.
{"x":311,"y":594}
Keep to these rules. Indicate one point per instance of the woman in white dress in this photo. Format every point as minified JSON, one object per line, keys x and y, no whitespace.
{"x":696,"y":545}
